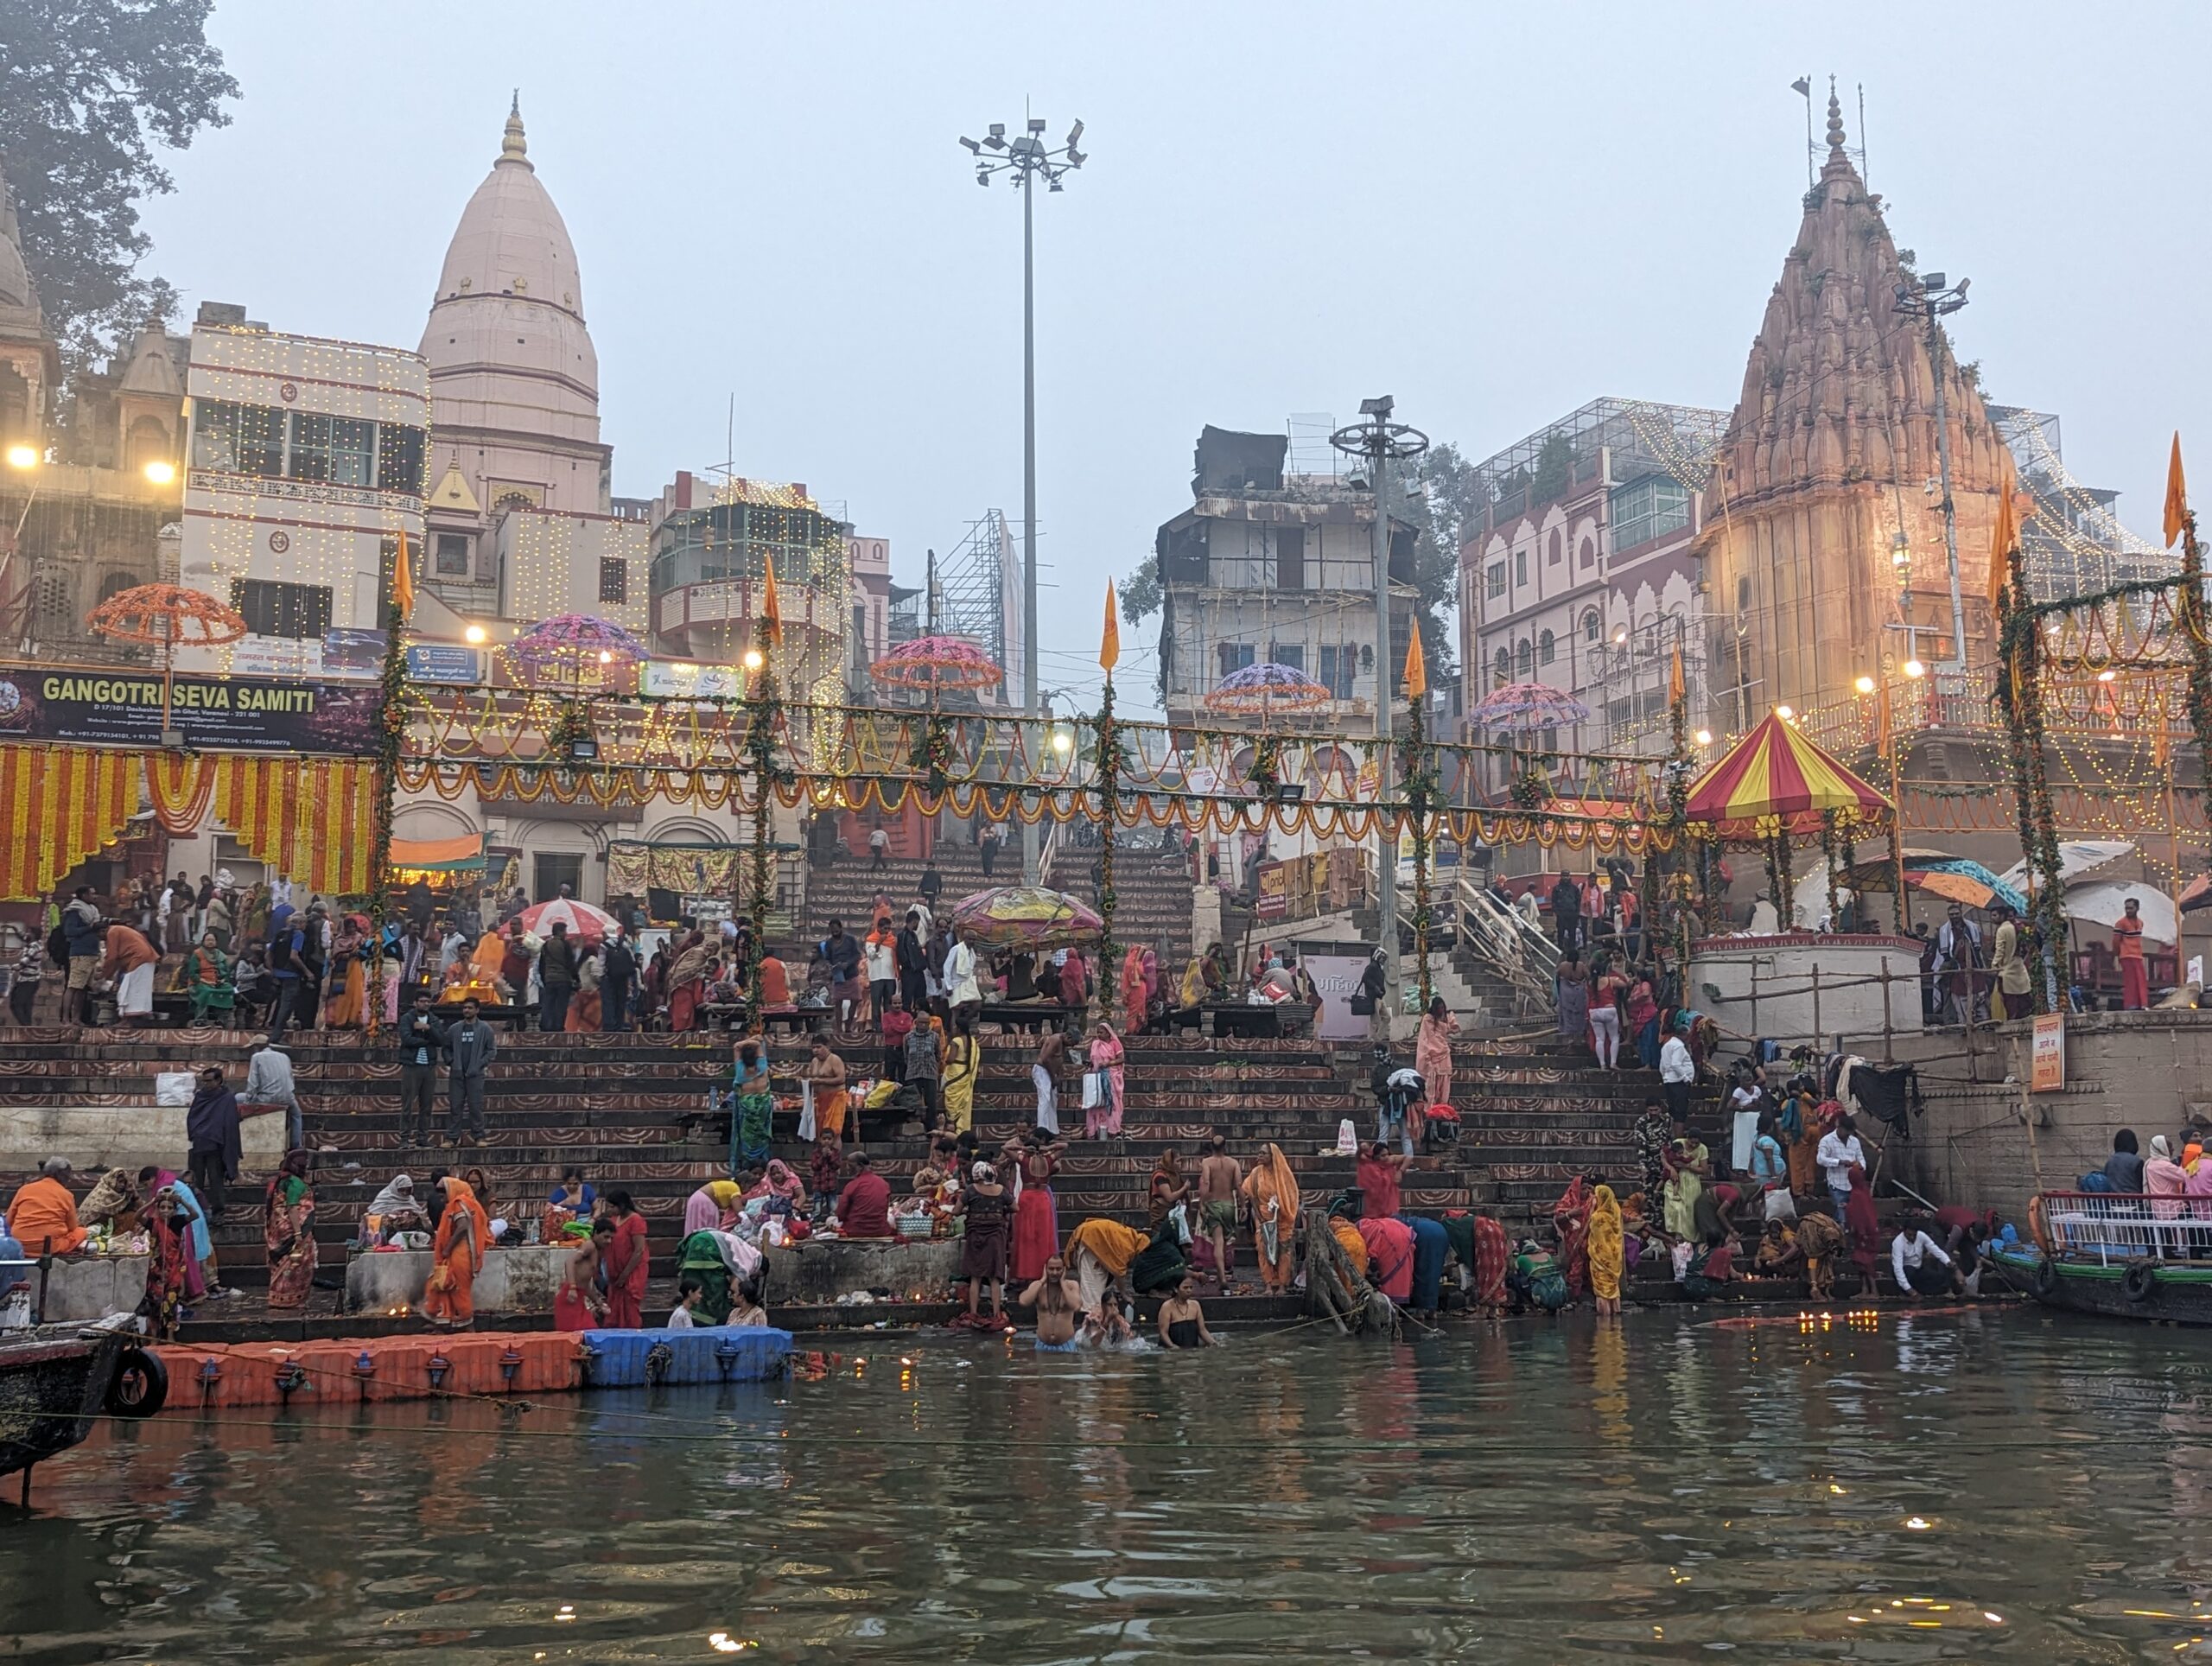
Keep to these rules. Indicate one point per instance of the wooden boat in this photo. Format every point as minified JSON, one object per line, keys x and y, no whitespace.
{"x":2117,"y":1255}
{"x":57,"y":1380}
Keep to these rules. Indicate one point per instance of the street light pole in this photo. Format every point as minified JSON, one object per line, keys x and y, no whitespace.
{"x":1934,"y":301}
{"x":1025,"y":159}
{"x":1382,"y":441}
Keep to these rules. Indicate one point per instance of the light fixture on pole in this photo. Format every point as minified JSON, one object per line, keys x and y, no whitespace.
{"x":1381,"y":443}
{"x":1025,"y":159}
{"x":1932,"y":299}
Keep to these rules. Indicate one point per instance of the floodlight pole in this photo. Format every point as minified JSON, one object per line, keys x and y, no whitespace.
{"x":1930,"y":298}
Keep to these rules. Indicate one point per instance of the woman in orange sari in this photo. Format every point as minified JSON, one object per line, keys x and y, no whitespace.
{"x":1133,"y":995}
{"x":346,"y":1008}
{"x":456,"y":1254}
{"x":1272,"y":1190}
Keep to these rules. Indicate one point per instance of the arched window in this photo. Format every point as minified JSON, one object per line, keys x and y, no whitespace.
{"x":1593,"y":628}
{"x":1587,"y":556}
{"x":114,"y":584}
{"x":1546,"y":650}
{"x":1553,"y":554}
{"x":1505,"y":664}
{"x":1524,"y":660}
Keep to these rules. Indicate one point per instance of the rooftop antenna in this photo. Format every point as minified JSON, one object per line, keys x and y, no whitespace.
{"x":1802,"y":86}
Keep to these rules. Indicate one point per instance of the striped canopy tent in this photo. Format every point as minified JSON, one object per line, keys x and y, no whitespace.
{"x":1775,"y":781}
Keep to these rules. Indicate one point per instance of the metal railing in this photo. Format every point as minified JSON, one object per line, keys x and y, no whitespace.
{"x":2110,"y":1226}
{"x":1508,"y":946}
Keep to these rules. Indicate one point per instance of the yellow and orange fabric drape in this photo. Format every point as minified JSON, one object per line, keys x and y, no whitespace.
{"x":310,"y":819}
{"x":59,"y":805}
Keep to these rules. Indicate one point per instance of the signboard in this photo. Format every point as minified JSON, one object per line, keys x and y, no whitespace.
{"x":353,"y":653}
{"x":2047,"y":1074}
{"x":1336,"y":979}
{"x":1274,"y":891}
{"x":236,"y":714}
{"x":664,"y":679}
{"x":438,"y":662}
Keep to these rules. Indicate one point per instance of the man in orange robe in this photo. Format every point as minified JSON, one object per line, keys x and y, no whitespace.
{"x":43,"y":1216}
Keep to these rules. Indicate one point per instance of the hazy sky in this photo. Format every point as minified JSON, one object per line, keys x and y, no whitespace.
{"x":1496,"y":213}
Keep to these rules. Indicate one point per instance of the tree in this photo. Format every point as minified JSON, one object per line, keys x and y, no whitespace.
{"x":86,"y":88}
{"x":1449,"y":501}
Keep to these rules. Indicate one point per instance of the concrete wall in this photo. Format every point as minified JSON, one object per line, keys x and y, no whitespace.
{"x":91,"y":1287}
{"x":2150,"y":1071}
{"x":120,"y":1136}
{"x":1765,"y":986}
{"x":512,"y":1281}
{"x":823,"y":1270}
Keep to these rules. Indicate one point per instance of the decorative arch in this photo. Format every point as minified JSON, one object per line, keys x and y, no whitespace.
{"x":427,"y":819}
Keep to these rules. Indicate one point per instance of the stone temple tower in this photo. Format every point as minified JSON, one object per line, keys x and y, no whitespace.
{"x":1827,"y":463}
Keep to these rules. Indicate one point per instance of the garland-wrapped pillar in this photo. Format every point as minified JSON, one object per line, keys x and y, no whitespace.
{"x":391,"y":732}
{"x":2019,"y":700}
{"x":761,"y":705}
{"x":2196,"y":631}
{"x":1418,"y":776}
{"x":1829,"y":855}
{"x":1107,"y":760}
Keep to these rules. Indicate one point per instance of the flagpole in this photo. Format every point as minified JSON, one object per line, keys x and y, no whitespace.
{"x":1109,"y":760}
{"x":391,"y":729}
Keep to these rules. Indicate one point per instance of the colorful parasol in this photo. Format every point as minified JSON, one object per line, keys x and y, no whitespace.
{"x":1024,"y":917}
{"x":572,"y":651}
{"x":1954,"y":879}
{"x":1523,"y":708}
{"x":586,"y":923}
{"x":1776,"y":771}
{"x":1258,"y":690}
{"x":935,"y":663}
{"x":167,"y":617}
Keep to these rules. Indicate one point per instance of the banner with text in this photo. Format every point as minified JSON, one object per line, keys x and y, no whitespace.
{"x":214,"y":714}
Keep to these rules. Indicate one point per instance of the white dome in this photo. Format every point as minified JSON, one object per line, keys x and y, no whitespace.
{"x":505,"y":341}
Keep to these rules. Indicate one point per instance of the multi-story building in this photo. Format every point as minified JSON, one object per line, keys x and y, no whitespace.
{"x":1265,"y":566}
{"x":1578,"y":573}
{"x":304,"y":468}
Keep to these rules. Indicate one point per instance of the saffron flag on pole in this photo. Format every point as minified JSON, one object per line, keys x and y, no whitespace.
{"x":1417,"y":669}
{"x":403,"y":581}
{"x":772,"y":606}
{"x":2004,"y":538}
{"x":1110,"y":639}
{"x":2176,"y":494}
{"x":1678,"y":687}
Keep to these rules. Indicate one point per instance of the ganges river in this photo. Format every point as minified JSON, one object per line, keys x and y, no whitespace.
{"x":1948,"y":1485}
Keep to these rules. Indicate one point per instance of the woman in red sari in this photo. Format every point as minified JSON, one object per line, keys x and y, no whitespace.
{"x":1570,"y":1220}
{"x":168,"y":1244}
{"x":288,"y":1232}
{"x":1866,"y":1229}
{"x":687,"y":982}
{"x":1491,"y":1252}
{"x":1037,"y":1215}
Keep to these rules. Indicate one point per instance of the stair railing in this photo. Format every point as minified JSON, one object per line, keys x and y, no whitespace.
{"x":1500,"y":939}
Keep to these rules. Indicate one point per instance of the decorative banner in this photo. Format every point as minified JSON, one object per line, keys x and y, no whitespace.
{"x":1274,"y":899}
{"x":59,"y":805}
{"x":179,"y":785}
{"x":441,"y":662}
{"x":699,"y":870}
{"x":312,"y":821}
{"x":124,"y":709}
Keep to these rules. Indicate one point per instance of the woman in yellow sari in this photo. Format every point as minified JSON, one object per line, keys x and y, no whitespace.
{"x":1604,"y":1247}
{"x":1272,"y":1190}
{"x":456,"y":1254}
{"x":346,"y":1008}
{"x":958,"y":1087}
{"x":484,"y":964}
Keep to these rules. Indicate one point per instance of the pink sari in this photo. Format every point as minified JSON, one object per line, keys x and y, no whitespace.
{"x":1105,"y":1116}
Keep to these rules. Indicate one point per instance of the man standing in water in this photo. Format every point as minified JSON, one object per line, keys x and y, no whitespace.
{"x":1219,"y":1176}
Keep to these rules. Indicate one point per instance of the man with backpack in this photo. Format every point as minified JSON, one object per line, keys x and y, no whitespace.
{"x":287,"y":952}
{"x":82,"y":945}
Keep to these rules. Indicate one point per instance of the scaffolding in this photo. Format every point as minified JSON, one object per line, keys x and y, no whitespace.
{"x":1640,"y":438}
{"x":2074,"y":542}
{"x":975,"y":593}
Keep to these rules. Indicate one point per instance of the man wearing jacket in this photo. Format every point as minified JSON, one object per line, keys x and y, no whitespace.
{"x":556,"y":980}
{"x":469,"y":1049}
{"x":913,"y":966}
{"x":81,"y":928}
{"x":618,"y":976}
{"x":422,"y":1041}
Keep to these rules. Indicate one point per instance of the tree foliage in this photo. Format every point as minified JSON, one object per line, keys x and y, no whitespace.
{"x":87,"y":87}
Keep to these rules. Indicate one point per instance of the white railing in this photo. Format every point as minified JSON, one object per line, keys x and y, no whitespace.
{"x":2110,"y":1226}
{"x":1501,"y":940}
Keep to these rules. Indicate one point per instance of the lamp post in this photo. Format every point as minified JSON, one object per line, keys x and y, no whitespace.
{"x":1931,"y":299}
{"x":1025,"y":159}
{"x":1383,"y":443}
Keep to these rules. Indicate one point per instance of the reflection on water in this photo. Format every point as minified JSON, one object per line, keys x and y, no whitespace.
{"x":1939,"y":1486}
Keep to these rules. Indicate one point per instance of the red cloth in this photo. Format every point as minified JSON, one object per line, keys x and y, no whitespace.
{"x":1491,"y":1252}
{"x":1570,"y":1220}
{"x":1378,"y":1187}
{"x":626,"y":1292}
{"x":1071,"y":980}
{"x":1036,"y":1233}
{"x":864,"y":1207}
{"x":1866,"y":1230}
{"x":2134,"y":982}
{"x":570,"y":1312}
{"x":1389,"y":1256}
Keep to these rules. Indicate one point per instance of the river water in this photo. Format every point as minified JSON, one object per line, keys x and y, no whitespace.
{"x":1919,"y":1487}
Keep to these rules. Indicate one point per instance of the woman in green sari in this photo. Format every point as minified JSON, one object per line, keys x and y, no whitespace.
{"x":207,"y":978}
{"x":703,"y":1260}
{"x":755,"y":1105}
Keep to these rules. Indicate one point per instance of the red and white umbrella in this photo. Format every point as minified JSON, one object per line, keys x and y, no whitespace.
{"x":586,"y":923}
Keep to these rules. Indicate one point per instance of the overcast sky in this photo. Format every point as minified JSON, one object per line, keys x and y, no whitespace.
{"x":1495,"y":213}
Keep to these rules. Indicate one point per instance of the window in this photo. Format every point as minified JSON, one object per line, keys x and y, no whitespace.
{"x":1546,"y":650}
{"x":1336,"y":669}
{"x":1557,"y":546}
{"x":399,"y":458}
{"x":1292,"y":654}
{"x":1494,"y":581}
{"x":453,"y":554}
{"x":1524,"y":660}
{"x":309,"y":457}
{"x":614,"y":579}
{"x":1588,"y":555}
{"x":299,"y":611}
{"x":1648,"y":509}
{"x":1290,"y":557}
{"x":235,"y":439}
{"x":552,"y":872}
{"x":1520,"y":566}
{"x":1233,"y":656}
{"x":305,"y":445}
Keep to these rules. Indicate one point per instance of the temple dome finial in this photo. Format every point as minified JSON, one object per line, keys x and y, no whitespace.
{"x":1835,"y":121}
{"x":512,"y":149}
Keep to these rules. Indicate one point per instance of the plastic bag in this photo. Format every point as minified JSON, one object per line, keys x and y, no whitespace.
{"x":1090,"y":1090}
{"x":806,"y":1110}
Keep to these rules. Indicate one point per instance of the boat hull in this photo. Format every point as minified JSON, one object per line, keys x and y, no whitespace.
{"x":51,"y":1389}
{"x":2168,"y":1295}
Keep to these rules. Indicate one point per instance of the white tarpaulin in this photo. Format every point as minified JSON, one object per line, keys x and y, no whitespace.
{"x":2102,"y":901}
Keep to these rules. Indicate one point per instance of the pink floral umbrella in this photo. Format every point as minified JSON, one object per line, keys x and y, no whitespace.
{"x":573,"y":650}
{"x":935,"y":663}
{"x":1267,"y":687}
{"x":1524,"y":708}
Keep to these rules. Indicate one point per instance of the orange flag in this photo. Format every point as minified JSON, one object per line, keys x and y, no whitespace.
{"x":1678,"y":687}
{"x":403,"y":581}
{"x":2004,"y":538}
{"x":1417,"y":669}
{"x":1110,"y":639}
{"x":2176,"y":494}
{"x":771,"y":609}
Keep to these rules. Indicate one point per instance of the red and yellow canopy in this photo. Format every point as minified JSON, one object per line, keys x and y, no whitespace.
{"x":1775,"y":774}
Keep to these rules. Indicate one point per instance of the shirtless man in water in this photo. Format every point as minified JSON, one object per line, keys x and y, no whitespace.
{"x":1219,"y":1176}
{"x":1058,"y":1300}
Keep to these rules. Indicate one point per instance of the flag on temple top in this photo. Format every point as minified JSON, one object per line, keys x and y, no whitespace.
{"x":1678,"y":687}
{"x":1110,"y":639}
{"x":403,"y":581}
{"x":1417,"y":669}
{"x":771,"y":609}
{"x":2004,"y":538}
{"x":2176,"y":494}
